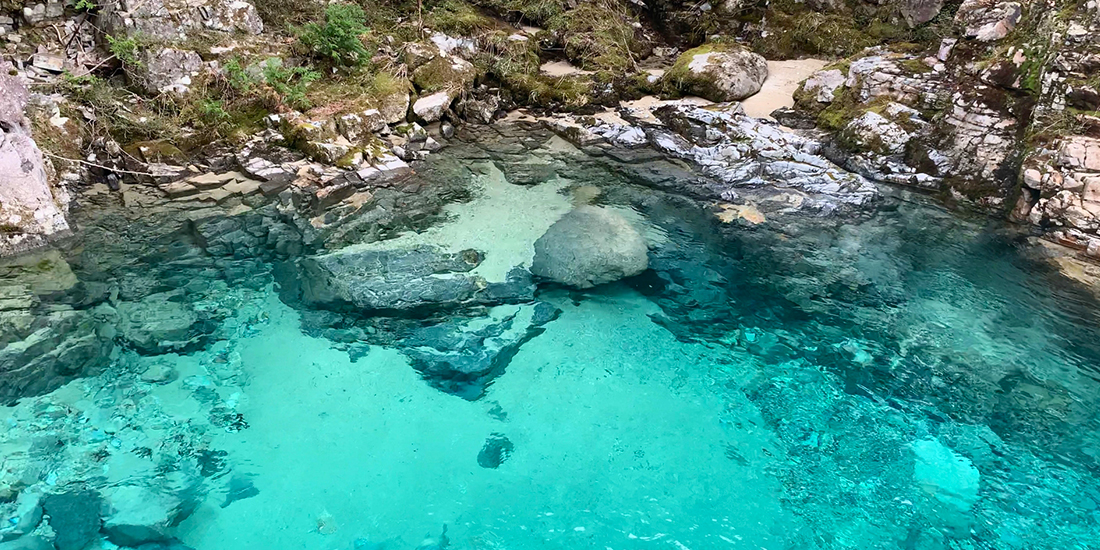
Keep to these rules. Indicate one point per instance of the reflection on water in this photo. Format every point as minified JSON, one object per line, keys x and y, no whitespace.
{"x":909,"y":381}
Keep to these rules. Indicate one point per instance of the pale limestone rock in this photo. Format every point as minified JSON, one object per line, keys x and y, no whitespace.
{"x":986,"y":20}
{"x":431,"y":107}
{"x":728,"y":74}
{"x":31,"y":210}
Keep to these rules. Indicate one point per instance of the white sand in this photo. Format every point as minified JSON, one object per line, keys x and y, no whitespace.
{"x":561,"y":68}
{"x":778,"y":90}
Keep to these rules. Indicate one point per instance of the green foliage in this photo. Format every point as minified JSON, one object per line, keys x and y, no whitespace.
{"x":236,"y":76}
{"x":597,"y":35}
{"x":290,"y":83}
{"x":338,"y":40}
{"x":125,"y":50}
{"x":84,"y":5}
{"x":212,"y":111}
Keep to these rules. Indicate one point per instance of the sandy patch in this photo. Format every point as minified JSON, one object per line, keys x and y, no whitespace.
{"x":561,"y":68}
{"x":778,"y":90}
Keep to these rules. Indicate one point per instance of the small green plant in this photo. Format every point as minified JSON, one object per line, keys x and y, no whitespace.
{"x":290,"y":83}
{"x":238,"y":78}
{"x":212,"y":111}
{"x":125,"y":50}
{"x":85,"y":5}
{"x":338,"y":39}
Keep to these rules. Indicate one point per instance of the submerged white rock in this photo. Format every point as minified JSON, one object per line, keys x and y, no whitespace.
{"x":948,"y":476}
{"x":590,"y":246}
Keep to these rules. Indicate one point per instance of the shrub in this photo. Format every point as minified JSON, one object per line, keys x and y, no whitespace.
{"x":338,"y":39}
{"x":597,"y":35}
{"x":125,"y":50}
{"x":290,"y":83}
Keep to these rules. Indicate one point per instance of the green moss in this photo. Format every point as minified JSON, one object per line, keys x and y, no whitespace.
{"x":527,"y":12}
{"x":915,"y":66}
{"x":567,"y":93}
{"x":348,"y":160}
{"x":803,"y":32}
{"x":441,"y":74}
{"x":846,"y":107}
{"x":457,"y":17}
{"x":680,"y":79}
{"x":356,"y":92}
{"x":286,"y":14}
{"x":503,"y":59}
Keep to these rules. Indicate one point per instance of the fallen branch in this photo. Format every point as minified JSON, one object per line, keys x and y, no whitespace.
{"x":116,"y":170}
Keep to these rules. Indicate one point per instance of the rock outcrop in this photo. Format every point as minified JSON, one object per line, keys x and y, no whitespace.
{"x":167,"y":20}
{"x":32,"y":211}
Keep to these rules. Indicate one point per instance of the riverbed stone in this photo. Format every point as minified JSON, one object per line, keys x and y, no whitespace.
{"x":590,"y":246}
{"x":27,"y":543}
{"x":462,"y":356}
{"x":139,"y":515}
{"x":158,"y":323}
{"x":400,"y":279}
{"x":74,"y":517}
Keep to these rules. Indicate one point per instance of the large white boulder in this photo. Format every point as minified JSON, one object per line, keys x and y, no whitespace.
{"x":718,"y":72}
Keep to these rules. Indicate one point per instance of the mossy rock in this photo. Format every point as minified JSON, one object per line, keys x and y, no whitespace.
{"x":570,"y":93}
{"x":444,"y":73}
{"x":157,"y":150}
{"x":718,"y":72}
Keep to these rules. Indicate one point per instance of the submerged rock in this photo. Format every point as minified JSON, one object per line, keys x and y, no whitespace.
{"x":463,"y":356}
{"x":160,"y":323}
{"x":139,"y":515}
{"x":75,"y":517}
{"x":401,"y":279}
{"x":497,"y":449}
{"x":946,"y":475}
{"x":27,"y":543}
{"x":42,"y":352}
{"x":590,"y":246}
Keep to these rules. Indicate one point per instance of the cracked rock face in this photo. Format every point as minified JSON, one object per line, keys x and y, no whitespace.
{"x":30,"y":213}
{"x":171,"y":19}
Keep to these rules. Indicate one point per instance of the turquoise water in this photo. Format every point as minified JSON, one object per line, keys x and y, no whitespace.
{"x":913,"y":380}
